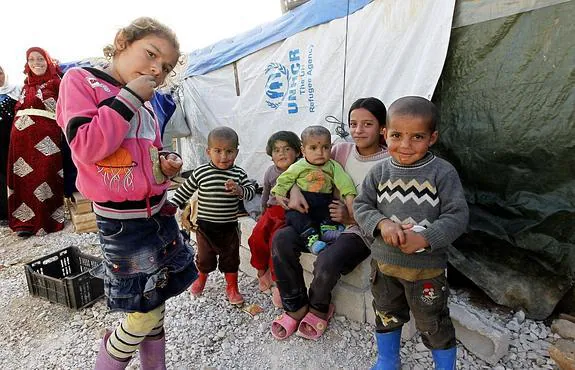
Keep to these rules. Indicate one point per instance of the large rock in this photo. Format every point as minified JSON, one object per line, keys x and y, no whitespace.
{"x":510,"y":276}
{"x":567,"y":304}
{"x":486,"y":339}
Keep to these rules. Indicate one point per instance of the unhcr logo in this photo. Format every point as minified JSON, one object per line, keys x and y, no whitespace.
{"x":282,"y":81}
{"x":277,"y":84}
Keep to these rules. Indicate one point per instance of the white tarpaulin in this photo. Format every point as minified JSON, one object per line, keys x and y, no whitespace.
{"x":386,"y":49}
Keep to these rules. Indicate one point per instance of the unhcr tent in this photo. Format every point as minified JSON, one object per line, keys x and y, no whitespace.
{"x":311,"y":63}
{"x":502,"y":74}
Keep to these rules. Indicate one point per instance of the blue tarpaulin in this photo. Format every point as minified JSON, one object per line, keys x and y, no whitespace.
{"x":301,"y":18}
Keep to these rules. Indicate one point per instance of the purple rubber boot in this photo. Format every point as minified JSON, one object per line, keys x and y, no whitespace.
{"x":106,"y":362}
{"x":153,"y":353}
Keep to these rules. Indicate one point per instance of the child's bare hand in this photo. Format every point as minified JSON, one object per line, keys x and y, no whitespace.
{"x":298,"y":204}
{"x":338,"y":212}
{"x":170,"y":164}
{"x":143,"y":86}
{"x":392,"y":234}
{"x":234,"y":188}
{"x":283,"y":202}
{"x":297,"y":201}
{"x":413,"y":242}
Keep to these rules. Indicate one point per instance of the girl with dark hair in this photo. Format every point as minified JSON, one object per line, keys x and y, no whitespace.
{"x":284,"y":149}
{"x":373,"y":106}
{"x":308,"y":312}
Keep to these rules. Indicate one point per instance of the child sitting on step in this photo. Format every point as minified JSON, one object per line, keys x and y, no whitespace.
{"x":284,"y":148}
{"x":316,"y":175}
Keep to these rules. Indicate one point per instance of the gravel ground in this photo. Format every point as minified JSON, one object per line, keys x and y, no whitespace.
{"x":207,"y":332}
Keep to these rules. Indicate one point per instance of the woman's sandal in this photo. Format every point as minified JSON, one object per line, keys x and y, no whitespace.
{"x":285,"y":322}
{"x":313,"y":327}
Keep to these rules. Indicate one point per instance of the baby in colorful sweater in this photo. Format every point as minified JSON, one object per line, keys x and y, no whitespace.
{"x":316,"y":175}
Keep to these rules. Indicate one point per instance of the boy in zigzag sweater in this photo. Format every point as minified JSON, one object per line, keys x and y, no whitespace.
{"x":413,"y":203}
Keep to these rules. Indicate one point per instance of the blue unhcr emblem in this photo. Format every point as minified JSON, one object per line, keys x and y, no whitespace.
{"x":277,"y":84}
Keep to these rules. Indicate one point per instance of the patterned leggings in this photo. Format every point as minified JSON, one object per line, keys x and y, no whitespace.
{"x":136,"y":327}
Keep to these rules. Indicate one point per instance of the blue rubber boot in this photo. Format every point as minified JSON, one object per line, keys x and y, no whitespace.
{"x":388,"y":351}
{"x":445,"y":359}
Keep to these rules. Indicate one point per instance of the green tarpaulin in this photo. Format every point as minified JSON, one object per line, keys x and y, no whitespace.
{"x":507,"y":102}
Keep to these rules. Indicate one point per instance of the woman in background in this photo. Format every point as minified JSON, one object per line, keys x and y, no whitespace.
{"x":8,"y":97}
{"x":35,"y":174}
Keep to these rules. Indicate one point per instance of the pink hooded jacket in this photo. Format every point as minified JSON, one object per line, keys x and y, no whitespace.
{"x":115,"y":142}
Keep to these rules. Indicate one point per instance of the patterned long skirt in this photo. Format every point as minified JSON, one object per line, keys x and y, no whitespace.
{"x":35,"y":176}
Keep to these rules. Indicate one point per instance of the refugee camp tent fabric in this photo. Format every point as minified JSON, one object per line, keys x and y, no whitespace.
{"x":506,"y":96}
{"x":507,"y":101}
{"x":385,"y":48}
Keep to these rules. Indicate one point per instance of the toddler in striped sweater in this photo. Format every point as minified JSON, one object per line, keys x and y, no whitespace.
{"x":221,"y":185}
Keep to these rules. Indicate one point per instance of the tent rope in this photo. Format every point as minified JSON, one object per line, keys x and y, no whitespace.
{"x":340,"y":129}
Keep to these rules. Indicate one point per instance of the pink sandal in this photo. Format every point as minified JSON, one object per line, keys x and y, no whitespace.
{"x":314,"y":326}
{"x":287,"y":323}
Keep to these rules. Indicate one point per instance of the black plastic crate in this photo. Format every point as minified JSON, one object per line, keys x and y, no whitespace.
{"x":64,"y":277}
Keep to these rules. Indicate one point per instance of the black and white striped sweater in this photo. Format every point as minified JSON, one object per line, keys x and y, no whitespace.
{"x":215,"y":204}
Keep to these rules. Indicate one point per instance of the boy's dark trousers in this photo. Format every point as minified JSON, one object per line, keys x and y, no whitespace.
{"x":318,"y":213}
{"x":393,"y":298}
{"x":218,"y":246}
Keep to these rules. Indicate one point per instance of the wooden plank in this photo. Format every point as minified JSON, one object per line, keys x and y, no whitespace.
{"x":84,"y":223}
{"x":84,"y":217}
{"x":81,"y":208}
{"x":80,"y":204}
{"x":89,"y":227}
{"x":79,"y":198}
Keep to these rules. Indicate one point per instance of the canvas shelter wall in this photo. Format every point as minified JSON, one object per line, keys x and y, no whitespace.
{"x":507,"y":98}
{"x":393,"y":49}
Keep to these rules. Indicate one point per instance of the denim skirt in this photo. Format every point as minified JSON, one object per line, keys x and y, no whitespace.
{"x":146,"y":261}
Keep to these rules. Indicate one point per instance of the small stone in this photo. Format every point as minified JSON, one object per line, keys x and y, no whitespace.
{"x":565,"y":328}
{"x":513,"y":325}
{"x":520,"y":316}
{"x":420,"y":347}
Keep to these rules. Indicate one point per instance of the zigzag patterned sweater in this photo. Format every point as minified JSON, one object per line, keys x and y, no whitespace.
{"x":427,"y":193}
